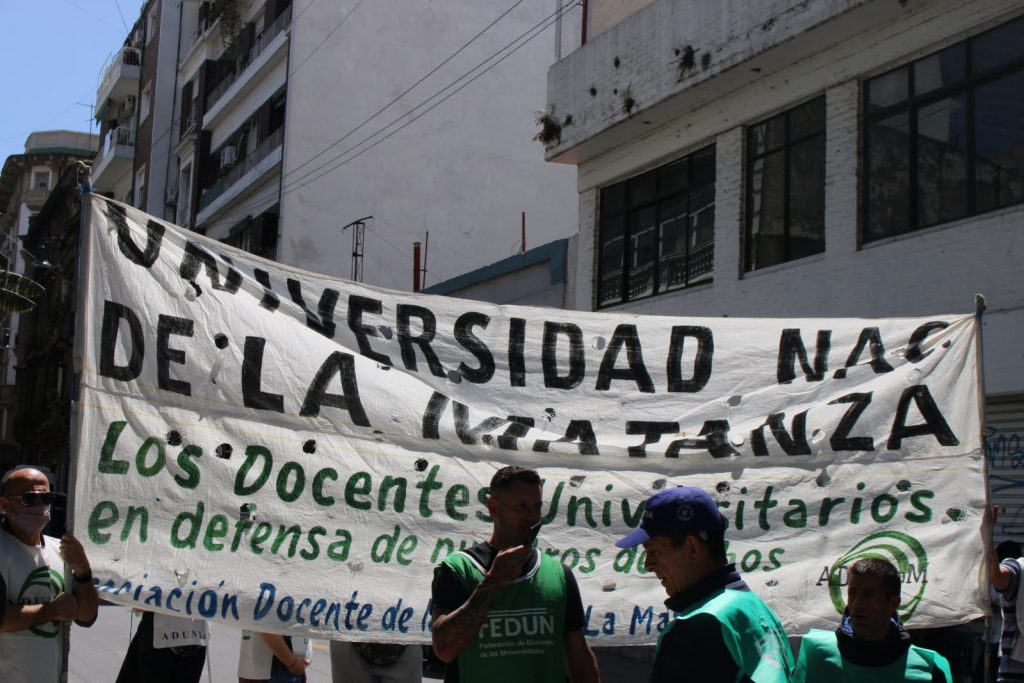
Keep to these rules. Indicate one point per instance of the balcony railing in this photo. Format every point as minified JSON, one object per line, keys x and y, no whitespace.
{"x":127,"y":56}
{"x":259,"y":45}
{"x":262,"y":151}
{"x":122,"y":136}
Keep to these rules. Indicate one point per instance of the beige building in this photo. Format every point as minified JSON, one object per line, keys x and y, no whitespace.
{"x":25,"y":184}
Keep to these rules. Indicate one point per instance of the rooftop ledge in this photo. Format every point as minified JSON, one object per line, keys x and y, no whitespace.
{"x":674,"y":56}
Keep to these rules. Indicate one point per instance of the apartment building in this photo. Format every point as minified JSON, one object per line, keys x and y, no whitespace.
{"x":295,"y":119}
{"x":26,"y":182}
{"x":783,"y":158}
{"x":135,"y":102}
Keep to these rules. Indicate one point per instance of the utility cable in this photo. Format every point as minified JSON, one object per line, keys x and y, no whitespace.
{"x":302,"y":181}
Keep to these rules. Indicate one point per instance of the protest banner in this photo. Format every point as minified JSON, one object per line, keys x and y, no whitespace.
{"x":293,"y":453}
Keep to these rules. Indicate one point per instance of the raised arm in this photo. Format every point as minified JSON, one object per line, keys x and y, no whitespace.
{"x":454,"y":631}
{"x":86,"y":596}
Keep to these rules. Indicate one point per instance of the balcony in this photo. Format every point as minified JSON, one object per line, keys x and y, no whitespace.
{"x":264,"y":159}
{"x":35,"y":198}
{"x":267,"y":51}
{"x":645,"y":64}
{"x":115,"y":158}
{"x":120,"y":75}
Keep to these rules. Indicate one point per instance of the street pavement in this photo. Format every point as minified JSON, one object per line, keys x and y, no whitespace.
{"x":97,"y":652}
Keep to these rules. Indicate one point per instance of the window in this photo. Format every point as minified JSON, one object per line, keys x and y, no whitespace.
{"x":40,"y":179}
{"x":151,"y":25}
{"x":256,"y":236}
{"x":184,"y":207}
{"x":786,"y":186}
{"x":144,"y":102}
{"x":943,"y":135}
{"x":656,"y":231}
{"x":140,"y":188}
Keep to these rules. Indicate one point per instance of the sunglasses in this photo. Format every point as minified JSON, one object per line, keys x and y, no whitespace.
{"x":30,"y":498}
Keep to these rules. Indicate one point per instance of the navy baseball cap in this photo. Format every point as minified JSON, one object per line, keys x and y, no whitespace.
{"x":682,"y":508}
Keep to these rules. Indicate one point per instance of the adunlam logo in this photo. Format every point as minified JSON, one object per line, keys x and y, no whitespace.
{"x":903,"y":550}
{"x":40,"y":586}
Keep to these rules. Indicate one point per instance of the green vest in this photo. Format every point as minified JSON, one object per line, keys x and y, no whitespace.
{"x":751,"y":631}
{"x":820,"y":661}
{"x":522,"y":638}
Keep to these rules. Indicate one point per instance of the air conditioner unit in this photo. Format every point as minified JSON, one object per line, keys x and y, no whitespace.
{"x":171,"y":196}
{"x":129,"y":105}
{"x":228,"y":156}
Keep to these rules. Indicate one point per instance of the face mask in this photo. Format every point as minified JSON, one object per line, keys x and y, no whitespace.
{"x":29,"y":521}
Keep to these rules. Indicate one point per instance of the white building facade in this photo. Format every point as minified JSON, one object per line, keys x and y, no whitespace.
{"x":851,"y":158}
{"x":298,"y":118}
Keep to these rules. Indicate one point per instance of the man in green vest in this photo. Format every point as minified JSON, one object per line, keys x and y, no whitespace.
{"x":721,"y":631}
{"x":870,"y":644}
{"x":503,"y":611}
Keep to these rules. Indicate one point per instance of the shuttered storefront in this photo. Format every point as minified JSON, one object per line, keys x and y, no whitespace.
{"x":1004,"y":446}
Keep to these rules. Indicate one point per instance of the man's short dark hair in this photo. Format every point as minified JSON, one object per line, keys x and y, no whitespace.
{"x":715,"y":541}
{"x":506,"y":476}
{"x":1008,"y":549}
{"x":874,"y":566}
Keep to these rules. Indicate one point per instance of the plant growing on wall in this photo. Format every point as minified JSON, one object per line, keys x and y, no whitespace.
{"x":628,"y":101}
{"x":550,"y":133}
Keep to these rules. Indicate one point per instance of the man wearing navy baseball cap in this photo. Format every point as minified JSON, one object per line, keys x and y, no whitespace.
{"x":721,"y":631}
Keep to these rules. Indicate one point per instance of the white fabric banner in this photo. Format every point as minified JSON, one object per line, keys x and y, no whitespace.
{"x":293,"y":453}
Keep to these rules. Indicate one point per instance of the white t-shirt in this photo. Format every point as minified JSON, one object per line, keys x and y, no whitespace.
{"x":31,"y":576}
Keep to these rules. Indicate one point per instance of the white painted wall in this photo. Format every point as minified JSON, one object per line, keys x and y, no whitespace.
{"x":464,"y":171}
{"x":933,"y":271}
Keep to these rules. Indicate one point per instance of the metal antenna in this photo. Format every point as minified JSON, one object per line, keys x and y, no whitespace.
{"x":358,"y":229}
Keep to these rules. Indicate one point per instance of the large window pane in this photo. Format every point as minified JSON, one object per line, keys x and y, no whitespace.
{"x":767,"y":207}
{"x":767,"y":136}
{"x":888,"y":205}
{"x":649,"y":230}
{"x":888,"y":89}
{"x":942,"y":161}
{"x":672,"y":257}
{"x":610,"y":260}
{"x":807,"y":198}
{"x":998,"y":46}
{"x":643,"y":229}
{"x":940,"y":69}
{"x":702,"y":166}
{"x":641,"y":189}
{"x":999,"y":142}
{"x":613,"y":199}
{"x":672,"y":177}
{"x":807,"y":119}
{"x":701,"y":258}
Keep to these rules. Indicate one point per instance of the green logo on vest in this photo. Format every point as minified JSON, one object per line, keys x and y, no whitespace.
{"x":52,"y":584}
{"x":904,"y":551}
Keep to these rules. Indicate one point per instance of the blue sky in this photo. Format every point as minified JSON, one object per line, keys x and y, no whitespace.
{"x":52,"y":52}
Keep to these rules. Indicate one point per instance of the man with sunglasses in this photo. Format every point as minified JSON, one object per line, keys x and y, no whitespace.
{"x":40,"y":595}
